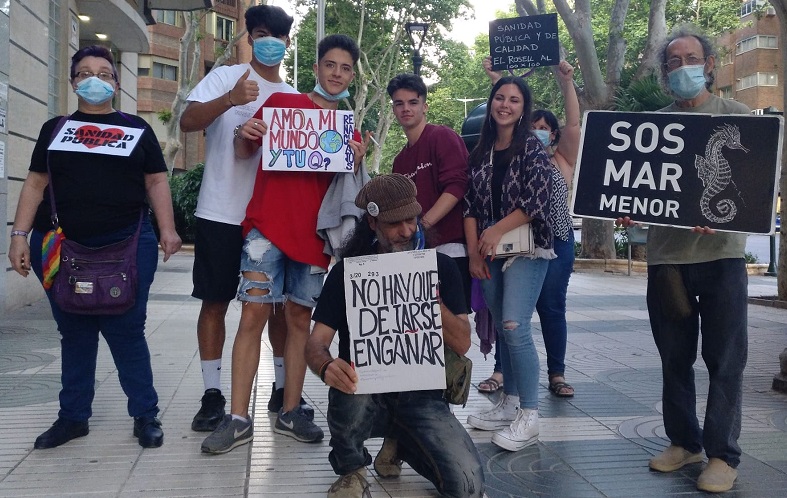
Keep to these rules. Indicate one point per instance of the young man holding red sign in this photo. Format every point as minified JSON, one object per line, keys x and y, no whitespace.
{"x":429,"y":436}
{"x":283,"y":257}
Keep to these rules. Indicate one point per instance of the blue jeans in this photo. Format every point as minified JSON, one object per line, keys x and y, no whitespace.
{"x":287,"y":279}
{"x":511,"y":297}
{"x":551,"y":305}
{"x":125,"y":336}
{"x":430,"y":438}
{"x":716,"y":294}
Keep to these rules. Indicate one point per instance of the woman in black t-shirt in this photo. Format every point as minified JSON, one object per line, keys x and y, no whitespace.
{"x":103,"y":165}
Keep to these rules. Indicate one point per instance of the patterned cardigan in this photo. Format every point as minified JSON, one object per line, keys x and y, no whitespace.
{"x":527,"y":185}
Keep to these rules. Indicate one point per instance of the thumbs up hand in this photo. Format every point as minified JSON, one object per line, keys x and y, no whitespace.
{"x":244,"y":91}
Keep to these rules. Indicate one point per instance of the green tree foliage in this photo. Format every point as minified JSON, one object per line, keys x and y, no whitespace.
{"x":378,"y":27}
{"x":185,"y":191}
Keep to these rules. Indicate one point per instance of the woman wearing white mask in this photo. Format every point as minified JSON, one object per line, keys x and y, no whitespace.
{"x":101,"y":165}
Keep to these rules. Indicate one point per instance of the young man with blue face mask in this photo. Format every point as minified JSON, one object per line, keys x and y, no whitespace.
{"x":283,"y":259}
{"x":698,"y":276}
{"x":219,"y":104}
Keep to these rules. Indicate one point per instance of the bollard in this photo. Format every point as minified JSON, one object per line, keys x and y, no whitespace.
{"x":771,"y":272}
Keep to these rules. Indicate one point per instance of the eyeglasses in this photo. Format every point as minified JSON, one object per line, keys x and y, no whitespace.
{"x":89,"y":74}
{"x":676,"y":62}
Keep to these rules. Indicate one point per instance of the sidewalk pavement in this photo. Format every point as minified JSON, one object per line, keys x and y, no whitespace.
{"x":595,"y":444}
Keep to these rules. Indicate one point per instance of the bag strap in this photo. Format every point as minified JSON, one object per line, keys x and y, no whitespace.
{"x":52,"y":207}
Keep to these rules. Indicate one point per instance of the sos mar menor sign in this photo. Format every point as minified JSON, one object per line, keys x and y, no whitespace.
{"x":393,"y":312}
{"x":680,"y":169}
{"x":307,"y":140}
{"x":524,"y":42}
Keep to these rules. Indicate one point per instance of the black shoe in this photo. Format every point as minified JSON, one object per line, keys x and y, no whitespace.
{"x":276,"y":403}
{"x":61,"y":432}
{"x":209,"y":416}
{"x":148,"y":430}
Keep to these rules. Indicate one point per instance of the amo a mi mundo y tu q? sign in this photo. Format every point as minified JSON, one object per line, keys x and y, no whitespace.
{"x":307,"y":140}
{"x":680,"y":169}
{"x":393,"y":312}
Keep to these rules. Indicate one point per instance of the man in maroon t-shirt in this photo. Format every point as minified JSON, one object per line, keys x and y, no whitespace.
{"x":435,"y":159}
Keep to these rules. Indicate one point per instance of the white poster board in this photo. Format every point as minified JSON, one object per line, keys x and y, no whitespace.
{"x":307,"y":140}
{"x":393,"y":311}
{"x":96,"y":138}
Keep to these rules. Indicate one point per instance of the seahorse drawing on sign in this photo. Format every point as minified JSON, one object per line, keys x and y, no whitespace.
{"x":715,"y":173}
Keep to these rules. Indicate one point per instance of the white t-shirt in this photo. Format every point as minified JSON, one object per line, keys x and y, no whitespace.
{"x":228,"y":182}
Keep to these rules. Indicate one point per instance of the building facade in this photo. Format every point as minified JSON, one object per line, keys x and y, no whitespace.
{"x":158,"y":69}
{"x":37,"y":40}
{"x":749,"y":64}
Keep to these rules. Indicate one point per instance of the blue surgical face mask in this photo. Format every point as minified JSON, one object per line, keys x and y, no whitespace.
{"x":94,"y":90}
{"x":543,"y":136}
{"x":269,"y":50}
{"x":687,"y":81}
{"x":319,"y":90}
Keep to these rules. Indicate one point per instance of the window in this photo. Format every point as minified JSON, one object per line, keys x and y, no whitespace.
{"x":168,"y":17}
{"x":750,"y":6}
{"x":726,"y":92}
{"x":726,"y":59}
{"x":54,"y":66}
{"x":225,"y":28}
{"x":758,"y":79}
{"x":165,"y":71}
{"x":759,"y":41}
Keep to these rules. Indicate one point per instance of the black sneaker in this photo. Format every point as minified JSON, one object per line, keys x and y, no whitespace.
{"x":209,"y":416}
{"x":276,"y":403}
{"x":148,"y":430}
{"x":61,"y":432}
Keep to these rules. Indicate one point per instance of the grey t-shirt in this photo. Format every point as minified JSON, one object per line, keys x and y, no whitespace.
{"x":668,"y":245}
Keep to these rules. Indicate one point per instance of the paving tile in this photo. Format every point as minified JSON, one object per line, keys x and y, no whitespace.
{"x":592,"y":445}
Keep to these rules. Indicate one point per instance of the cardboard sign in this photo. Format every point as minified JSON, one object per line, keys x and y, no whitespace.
{"x":680,"y":169}
{"x":522,"y":42}
{"x":307,"y":140}
{"x":96,"y":138}
{"x":396,"y":332}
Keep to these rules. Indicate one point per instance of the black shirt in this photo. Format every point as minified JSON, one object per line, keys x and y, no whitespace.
{"x":96,"y":193}
{"x":331,"y":307}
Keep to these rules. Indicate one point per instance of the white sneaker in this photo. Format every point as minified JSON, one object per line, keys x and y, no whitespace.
{"x":522,"y":432}
{"x":501,"y":415}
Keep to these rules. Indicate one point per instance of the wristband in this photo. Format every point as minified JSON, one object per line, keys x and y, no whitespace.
{"x":324,"y":368}
{"x":19,"y":233}
{"x":229,"y":97}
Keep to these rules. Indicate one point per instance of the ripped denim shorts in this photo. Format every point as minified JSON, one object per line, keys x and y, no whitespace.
{"x":287,"y":279}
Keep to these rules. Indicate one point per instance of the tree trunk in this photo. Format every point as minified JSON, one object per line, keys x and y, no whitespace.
{"x":173,"y":144}
{"x":657,"y":34}
{"x":598,"y":239}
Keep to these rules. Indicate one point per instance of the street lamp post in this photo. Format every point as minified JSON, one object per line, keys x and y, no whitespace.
{"x":417,"y":32}
{"x":466,"y":101}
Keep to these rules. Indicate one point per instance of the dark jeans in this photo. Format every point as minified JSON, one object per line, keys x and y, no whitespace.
{"x":714,"y":297}
{"x":551,"y":305}
{"x":430,"y":438}
{"x":125,"y":336}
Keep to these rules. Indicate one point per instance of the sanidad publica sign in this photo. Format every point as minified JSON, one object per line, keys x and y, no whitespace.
{"x":680,"y":169}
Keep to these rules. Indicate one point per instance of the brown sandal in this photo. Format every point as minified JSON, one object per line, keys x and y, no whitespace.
{"x":489,"y":386}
